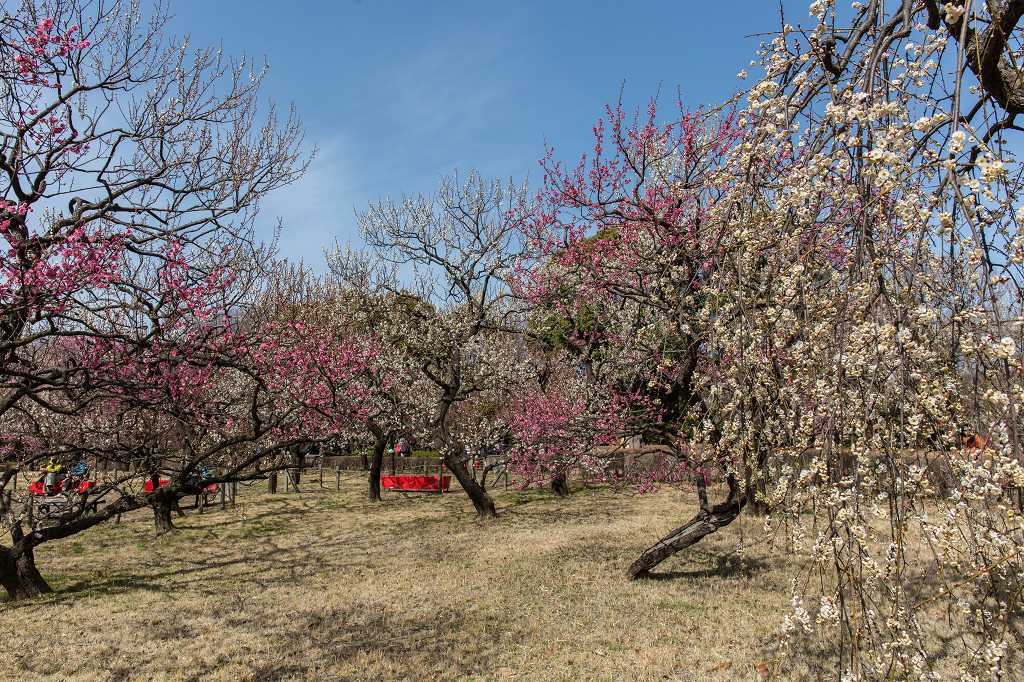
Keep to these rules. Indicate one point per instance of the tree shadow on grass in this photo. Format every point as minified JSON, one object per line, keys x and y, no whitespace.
{"x":273,"y":566}
{"x":725,"y":566}
{"x":413,"y":645}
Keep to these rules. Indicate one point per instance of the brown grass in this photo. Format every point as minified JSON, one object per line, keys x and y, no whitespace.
{"x":325,"y":585}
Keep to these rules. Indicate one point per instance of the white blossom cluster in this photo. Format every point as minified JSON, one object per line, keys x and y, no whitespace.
{"x":868,"y":325}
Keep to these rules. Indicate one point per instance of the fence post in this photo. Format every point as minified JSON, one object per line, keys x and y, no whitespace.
{"x":337,"y":478}
{"x":234,"y":492}
{"x":440,"y":477}
{"x":321,"y":471}
{"x":223,"y":489}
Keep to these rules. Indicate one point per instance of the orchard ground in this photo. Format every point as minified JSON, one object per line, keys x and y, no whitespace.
{"x":326,"y":585}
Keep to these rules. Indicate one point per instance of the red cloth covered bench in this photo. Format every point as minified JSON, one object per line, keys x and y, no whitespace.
{"x":39,"y":487}
{"x":147,"y":487}
{"x":415,"y":483}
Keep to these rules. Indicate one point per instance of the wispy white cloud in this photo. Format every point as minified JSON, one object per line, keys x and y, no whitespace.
{"x":432,"y":103}
{"x":319,"y":207}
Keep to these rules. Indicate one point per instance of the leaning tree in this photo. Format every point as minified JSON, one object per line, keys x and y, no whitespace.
{"x":624,"y":246}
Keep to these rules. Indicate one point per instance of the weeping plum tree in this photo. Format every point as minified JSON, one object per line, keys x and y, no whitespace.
{"x":873,"y":322}
{"x":855,"y":306}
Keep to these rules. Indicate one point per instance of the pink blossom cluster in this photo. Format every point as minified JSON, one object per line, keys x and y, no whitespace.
{"x":37,"y":47}
{"x":315,"y":370}
{"x":44,"y":272}
{"x":187,"y":292}
{"x":556,"y":430}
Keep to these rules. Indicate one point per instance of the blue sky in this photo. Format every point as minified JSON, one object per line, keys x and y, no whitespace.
{"x":396,"y":93}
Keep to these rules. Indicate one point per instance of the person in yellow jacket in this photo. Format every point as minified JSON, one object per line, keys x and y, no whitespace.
{"x":53,"y":470}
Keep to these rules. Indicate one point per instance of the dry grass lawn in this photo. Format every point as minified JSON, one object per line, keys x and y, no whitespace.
{"x":325,"y":585}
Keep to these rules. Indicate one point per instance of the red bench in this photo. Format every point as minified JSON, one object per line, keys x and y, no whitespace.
{"x":147,"y":487}
{"x":415,"y":483}
{"x":39,"y":488}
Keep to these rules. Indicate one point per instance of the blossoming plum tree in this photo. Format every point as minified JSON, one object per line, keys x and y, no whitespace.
{"x":869,"y":316}
{"x":130,"y":172}
{"x":624,"y":248}
{"x":447,"y":310}
{"x":393,"y":392}
{"x":852,"y":312}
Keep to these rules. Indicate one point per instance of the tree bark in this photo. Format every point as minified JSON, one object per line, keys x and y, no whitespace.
{"x":560,"y":484}
{"x":985,"y":53}
{"x":379,"y":444}
{"x":708,"y":520}
{"x":19,"y":575}
{"x":163,"y":505}
{"x":482,"y":502}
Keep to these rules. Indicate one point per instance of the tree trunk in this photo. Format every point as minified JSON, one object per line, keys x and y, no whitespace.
{"x":162,"y":508}
{"x":708,"y":520}
{"x":19,"y":575}
{"x":560,"y":484}
{"x":272,"y":483}
{"x":482,"y":502}
{"x":375,"y":466}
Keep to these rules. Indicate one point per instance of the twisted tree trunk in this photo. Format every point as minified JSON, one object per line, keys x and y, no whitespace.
{"x":708,"y":520}
{"x":162,"y":508}
{"x":18,"y":573}
{"x":164,"y":501}
{"x":482,"y":502}
{"x":560,"y":484}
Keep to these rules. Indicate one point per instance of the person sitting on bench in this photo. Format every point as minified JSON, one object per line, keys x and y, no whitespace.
{"x":53,"y":476}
